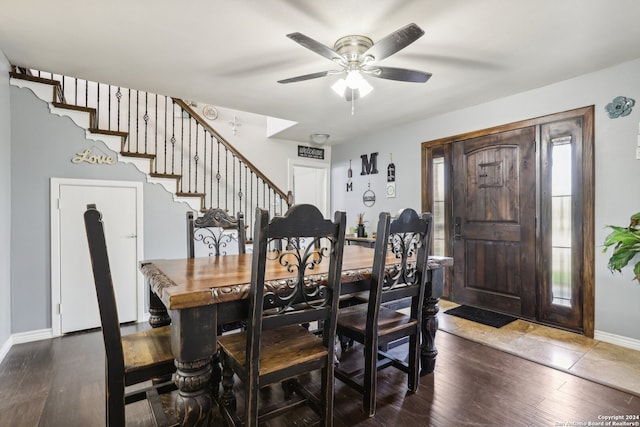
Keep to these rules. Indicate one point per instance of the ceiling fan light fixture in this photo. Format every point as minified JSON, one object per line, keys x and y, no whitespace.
{"x":364,"y":87}
{"x":339,"y":87}
{"x":354,"y":81}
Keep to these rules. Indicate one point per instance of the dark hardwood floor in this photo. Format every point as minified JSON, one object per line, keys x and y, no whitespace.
{"x":60,"y":382}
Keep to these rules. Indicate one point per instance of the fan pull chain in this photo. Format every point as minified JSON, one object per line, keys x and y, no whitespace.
{"x":353,"y":102}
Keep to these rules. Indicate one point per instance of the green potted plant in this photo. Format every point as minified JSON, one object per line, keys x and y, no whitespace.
{"x":626,"y":246}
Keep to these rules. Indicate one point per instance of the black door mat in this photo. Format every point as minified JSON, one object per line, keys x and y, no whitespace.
{"x":489,"y":318}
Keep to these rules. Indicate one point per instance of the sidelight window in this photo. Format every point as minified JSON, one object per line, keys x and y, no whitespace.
{"x":561,"y":220}
{"x":438,"y":207}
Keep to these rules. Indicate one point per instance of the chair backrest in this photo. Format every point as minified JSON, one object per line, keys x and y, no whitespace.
{"x":216,"y":230}
{"x":105,"y":293}
{"x":307,"y":296}
{"x":409,"y":238}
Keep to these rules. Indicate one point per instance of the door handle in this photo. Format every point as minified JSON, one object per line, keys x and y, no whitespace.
{"x":131,"y":236}
{"x":456,"y":228}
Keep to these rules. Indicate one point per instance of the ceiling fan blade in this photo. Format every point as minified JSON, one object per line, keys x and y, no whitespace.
{"x":304,"y":77}
{"x":315,"y":46}
{"x":400,"y":74}
{"x":394,"y":42}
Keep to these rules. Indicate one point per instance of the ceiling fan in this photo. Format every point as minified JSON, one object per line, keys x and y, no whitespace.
{"x":356,"y":55}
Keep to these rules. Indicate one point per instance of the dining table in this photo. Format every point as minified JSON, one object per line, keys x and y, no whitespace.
{"x":195,"y":295}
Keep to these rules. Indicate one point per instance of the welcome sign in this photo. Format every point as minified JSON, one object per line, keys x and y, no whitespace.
{"x":310,"y":152}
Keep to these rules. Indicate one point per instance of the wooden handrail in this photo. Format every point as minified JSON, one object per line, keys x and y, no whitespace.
{"x":186,"y":107}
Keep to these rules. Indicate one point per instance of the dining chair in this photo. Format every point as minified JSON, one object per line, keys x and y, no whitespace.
{"x":130,"y":359}
{"x":216,"y":230}
{"x":275,"y":347}
{"x":213,"y":234}
{"x":376,"y":323}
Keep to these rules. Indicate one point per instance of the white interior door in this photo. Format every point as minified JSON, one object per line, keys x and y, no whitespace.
{"x":120,"y":205}
{"x":310,"y":185}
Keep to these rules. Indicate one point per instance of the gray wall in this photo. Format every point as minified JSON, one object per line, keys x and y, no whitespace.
{"x":42,"y":147}
{"x":617,"y":192}
{"x":5,"y":202}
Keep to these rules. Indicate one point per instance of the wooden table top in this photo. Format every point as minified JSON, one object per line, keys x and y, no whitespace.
{"x":192,"y":282}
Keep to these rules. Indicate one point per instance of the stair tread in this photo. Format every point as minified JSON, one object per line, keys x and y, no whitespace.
{"x":182,"y":194}
{"x":109,"y":132}
{"x":164,"y":175}
{"x":74,"y":107}
{"x":140,"y":155}
{"x":34,"y":78}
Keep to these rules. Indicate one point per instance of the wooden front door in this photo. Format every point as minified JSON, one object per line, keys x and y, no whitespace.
{"x":494,"y":219}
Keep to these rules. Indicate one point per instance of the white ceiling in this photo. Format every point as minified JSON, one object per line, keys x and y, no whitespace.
{"x":232,"y":53}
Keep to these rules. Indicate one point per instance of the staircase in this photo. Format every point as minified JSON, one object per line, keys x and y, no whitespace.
{"x":164,"y":138}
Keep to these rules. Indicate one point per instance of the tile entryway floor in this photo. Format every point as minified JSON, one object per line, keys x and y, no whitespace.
{"x":608,"y":364}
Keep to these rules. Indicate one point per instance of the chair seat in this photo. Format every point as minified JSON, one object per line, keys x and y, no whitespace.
{"x":356,"y":297}
{"x":389,"y":321}
{"x":147,"y":351}
{"x":280,"y":348}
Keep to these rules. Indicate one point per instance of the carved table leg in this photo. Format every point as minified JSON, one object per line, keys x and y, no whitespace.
{"x":193,"y":342}
{"x":158,"y":315}
{"x":428,"y":350}
{"x":194,"y":403}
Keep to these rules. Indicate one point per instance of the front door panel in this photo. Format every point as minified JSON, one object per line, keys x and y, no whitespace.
{"x":494,"y":222}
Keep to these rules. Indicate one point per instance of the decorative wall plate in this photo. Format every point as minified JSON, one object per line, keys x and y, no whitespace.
{"x":391,"y":189}
{"x":210,"y":112}
{"x":619,"y":107}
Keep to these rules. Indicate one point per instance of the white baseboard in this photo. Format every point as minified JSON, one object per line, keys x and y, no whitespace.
{"x":42,"y":334}
{"x":5,"y":349}
{"x":617,"y":340}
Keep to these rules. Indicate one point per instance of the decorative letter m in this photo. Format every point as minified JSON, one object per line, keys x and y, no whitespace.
{"x":369,"y":165}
